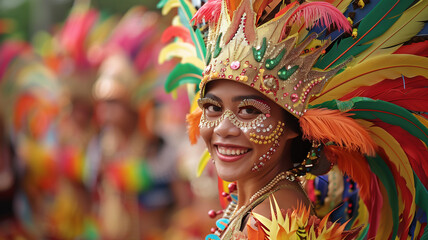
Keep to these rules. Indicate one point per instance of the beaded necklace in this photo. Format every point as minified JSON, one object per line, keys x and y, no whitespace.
{"x":231,"y":213}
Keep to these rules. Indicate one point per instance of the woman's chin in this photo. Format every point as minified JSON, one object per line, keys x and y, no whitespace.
{"x":231,"y":172}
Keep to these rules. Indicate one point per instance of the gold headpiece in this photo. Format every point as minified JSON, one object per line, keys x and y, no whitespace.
{"x":266,"y":57}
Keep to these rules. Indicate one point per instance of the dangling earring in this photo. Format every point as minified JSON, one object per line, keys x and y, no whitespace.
{"x":310,"y":161}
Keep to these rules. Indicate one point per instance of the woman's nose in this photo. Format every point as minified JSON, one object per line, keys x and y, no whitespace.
{"x":227,"y":129}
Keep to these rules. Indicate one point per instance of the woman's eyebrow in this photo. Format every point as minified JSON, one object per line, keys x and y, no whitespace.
{"x":214,"y":97}
{"x":241,"y":98}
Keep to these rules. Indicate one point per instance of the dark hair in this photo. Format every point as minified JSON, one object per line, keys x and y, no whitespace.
{"x":299,"y":146}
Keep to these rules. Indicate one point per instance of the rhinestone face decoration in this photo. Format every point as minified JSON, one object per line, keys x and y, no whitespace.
{"x":262,"y":139}
{"x":244,"y":126}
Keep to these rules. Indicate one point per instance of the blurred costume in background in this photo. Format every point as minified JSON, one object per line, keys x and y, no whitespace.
{"x":30,"y":95}
{"x":66,"y":53}
{"x":356,"y":82}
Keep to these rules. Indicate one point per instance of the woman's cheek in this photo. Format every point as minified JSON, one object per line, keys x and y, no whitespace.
{"x":206,"y":134}
{"x":266,"y":139}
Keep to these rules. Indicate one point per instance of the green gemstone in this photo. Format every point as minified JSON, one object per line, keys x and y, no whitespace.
{"x":217,"y":49}
{"x":208,"y":57}
{"x":272,"y":63}
{"x":284,"y":74}
{"x":258,"y":54}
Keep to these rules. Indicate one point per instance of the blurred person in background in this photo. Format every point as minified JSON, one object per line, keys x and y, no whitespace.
{"x":119,"y":146}
{"x":132,"y":158}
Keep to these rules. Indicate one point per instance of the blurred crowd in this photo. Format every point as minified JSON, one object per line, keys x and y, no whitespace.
{"x":91,"y":147}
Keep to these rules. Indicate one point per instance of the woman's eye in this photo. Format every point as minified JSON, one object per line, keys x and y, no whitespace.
{"x":249,"y":111}
{"x":213,"y":108}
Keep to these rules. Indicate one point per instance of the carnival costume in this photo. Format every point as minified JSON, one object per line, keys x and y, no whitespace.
{"x":357,"y":83}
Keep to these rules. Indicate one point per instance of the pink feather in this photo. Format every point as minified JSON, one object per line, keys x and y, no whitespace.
{"x":319,"y":13}
{"x":209,"y":12}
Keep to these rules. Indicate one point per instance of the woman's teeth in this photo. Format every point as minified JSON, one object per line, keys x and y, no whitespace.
{"x":231,"y":151}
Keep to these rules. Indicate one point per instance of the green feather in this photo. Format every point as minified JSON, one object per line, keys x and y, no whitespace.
{"x":363,"y":233}
{"x":369,"y":109}
{"x":379,"y":167}
{"x":181,"y":74}
{"x":161,"y":3}
{"x":185,"y":16}
{"x":377,"y":22}
{"x":421,"y":199}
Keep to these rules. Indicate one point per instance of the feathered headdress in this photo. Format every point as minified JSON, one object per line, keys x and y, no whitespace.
{"x":363,"y":92}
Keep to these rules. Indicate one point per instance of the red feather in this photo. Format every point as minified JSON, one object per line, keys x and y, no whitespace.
{"x":420,"y":49}
{"x":173,"y":32}
{"x":410,"y":94}
{"x":8,"y":51}
{"x":355,"y":165}
{"x":210,"y":12}
{"x":415,"y":150}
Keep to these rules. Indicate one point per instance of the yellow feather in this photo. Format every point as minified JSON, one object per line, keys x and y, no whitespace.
{"x":203,"y":162}
{"x":176,"y":21}
{"x":194,"y":60}
{"x":363,"y":215}
{"x":409,"y":24}
{"x":385,"y":224}
{"x":424,"y":121}
{"x":174,"y":4}
{"x":371,"y":72}
{"x":176,"y":49}
{"x":399,"y":158}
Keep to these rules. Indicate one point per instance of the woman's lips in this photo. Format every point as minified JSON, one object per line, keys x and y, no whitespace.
{"x":230,"y":153}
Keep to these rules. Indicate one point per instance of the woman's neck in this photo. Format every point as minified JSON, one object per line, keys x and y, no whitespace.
{"x":247,"y":188}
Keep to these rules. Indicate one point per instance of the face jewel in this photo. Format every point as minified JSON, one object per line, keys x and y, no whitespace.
{"x":285,"y":73}
{"x":235,"y":65}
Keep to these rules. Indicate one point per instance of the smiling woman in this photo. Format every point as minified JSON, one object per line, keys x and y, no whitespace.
{"x":249,"y":140}
{"x":288,"y":91}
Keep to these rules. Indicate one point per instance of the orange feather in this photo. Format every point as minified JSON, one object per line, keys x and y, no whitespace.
{"x":325,"y":125}
{"x":352,"y":163}
{"x":193,"y":120}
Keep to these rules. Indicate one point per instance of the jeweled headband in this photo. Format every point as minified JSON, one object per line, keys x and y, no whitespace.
{"x":266,"y":57}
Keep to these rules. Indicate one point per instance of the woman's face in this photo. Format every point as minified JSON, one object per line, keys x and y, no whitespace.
{"x":244,"y":131}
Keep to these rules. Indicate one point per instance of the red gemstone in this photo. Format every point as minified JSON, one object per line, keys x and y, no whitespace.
{"x":232,"y":187}
{"x":212,"y":213}
{"x":294,"y":97}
